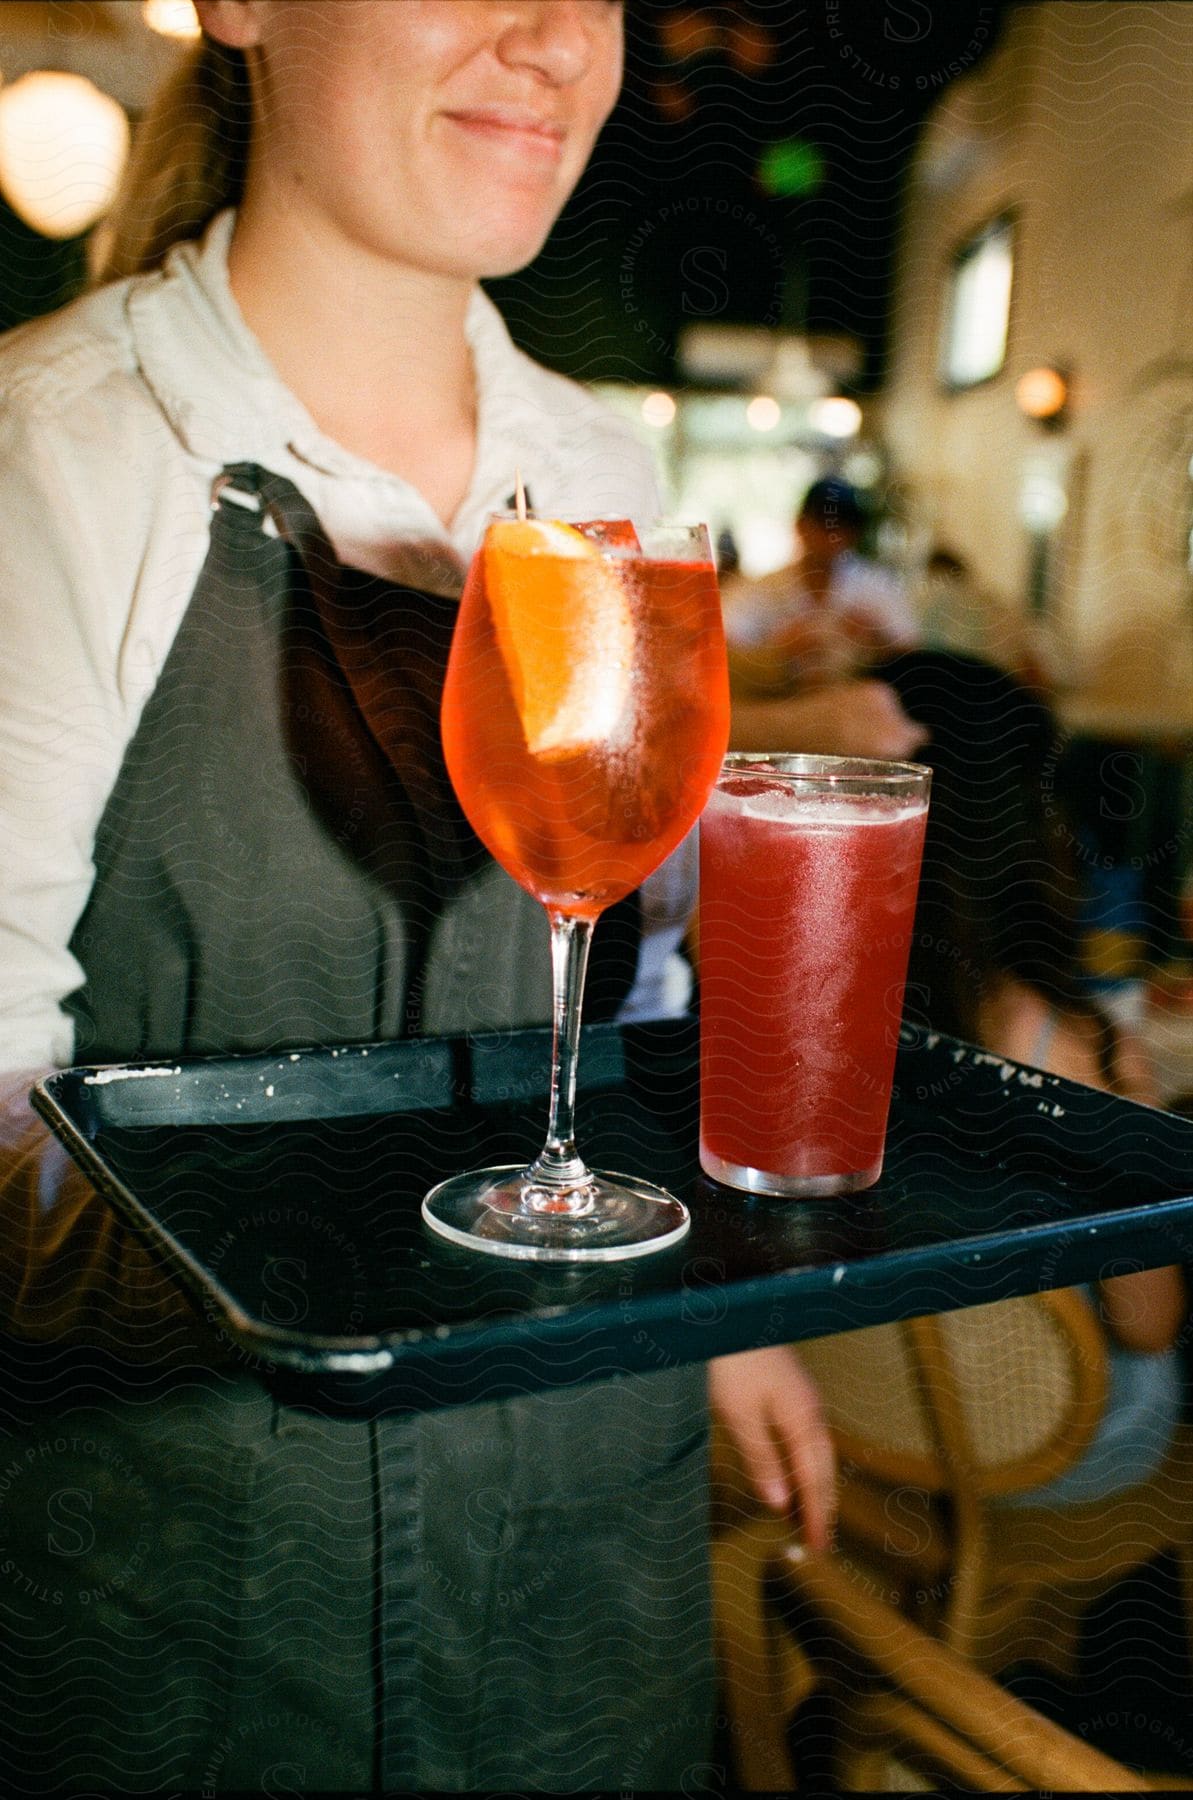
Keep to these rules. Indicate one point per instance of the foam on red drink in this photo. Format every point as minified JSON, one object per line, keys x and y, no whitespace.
{"x":806,"y":907}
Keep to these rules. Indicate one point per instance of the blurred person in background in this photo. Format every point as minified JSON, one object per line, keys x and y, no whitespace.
{"x":994,"y":961}
{"x":956,"y":613}
{"x":830,"y":614}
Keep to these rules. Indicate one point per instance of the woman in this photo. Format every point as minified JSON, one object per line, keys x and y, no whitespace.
{"x":299,"y":399}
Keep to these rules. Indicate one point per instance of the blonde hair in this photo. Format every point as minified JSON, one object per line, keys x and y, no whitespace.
{"x":188,"y":163}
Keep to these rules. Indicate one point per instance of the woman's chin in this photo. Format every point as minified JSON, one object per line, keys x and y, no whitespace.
{"x":492,"y":251}
{"x":508,"y":262}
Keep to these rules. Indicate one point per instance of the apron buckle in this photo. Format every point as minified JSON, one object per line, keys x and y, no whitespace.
{"x":224,"y":488}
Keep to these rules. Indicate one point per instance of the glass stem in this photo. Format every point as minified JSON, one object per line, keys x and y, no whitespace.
{"x":557,"y":1179}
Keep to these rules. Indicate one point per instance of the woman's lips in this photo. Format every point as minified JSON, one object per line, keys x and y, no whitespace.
{"x":522,"y":133}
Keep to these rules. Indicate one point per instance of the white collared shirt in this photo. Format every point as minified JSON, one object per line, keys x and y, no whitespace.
{"x":116,"y":415}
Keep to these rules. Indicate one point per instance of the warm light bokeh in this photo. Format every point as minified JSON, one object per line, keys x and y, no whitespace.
{"x":63,"y":146}
{"x":172,"y":18}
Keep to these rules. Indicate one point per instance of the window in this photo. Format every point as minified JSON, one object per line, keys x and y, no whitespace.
{"x":978,"y":306}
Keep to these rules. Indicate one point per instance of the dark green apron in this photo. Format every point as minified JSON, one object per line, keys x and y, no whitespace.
{"x":203,"y":1589}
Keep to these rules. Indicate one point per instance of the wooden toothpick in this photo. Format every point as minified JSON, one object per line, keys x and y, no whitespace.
{"x":519,"y":495}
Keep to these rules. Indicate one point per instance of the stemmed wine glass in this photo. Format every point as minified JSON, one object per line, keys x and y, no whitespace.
{"x":585,"y":717}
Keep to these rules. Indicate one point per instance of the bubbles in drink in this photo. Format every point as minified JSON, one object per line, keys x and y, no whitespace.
{"x":754,"y":797}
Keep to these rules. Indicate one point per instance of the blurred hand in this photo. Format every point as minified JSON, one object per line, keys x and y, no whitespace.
{"x":844,"y":718}
{"x":768,"y":1406}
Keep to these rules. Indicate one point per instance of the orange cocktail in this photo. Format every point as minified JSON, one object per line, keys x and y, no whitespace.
{"x":586,"y":708}
{"x":585,"y":716}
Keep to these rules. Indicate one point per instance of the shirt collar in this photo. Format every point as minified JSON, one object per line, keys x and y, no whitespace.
{"x":226,"y":403}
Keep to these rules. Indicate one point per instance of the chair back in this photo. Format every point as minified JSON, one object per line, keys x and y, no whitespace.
{"x":993,"y":1399}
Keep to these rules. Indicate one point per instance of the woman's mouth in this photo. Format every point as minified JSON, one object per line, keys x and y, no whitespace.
{"x":523,"y":133}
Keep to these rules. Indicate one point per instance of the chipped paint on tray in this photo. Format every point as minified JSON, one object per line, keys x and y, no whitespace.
{"x":983,"y":1058}
{"x":104,"y":1077}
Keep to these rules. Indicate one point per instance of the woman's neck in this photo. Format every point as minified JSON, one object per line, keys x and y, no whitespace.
{"x":377,"y":354}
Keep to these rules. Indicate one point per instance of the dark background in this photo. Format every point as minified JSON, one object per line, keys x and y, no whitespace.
{"x":752,"y":173}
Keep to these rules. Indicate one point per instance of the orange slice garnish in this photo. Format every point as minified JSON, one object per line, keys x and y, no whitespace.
{"x":564,"y":630}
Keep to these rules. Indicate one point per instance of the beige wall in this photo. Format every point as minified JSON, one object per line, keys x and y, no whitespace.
{"x":1082,"y":124}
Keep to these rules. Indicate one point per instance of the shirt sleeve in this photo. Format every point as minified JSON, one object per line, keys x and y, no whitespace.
{"x":756,"y":611}
{"x":883,"y":598}
{"x":62,"y":730}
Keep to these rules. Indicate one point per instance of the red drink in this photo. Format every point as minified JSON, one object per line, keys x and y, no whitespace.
{"x":807,"y":897}
{"x":580,"y":794}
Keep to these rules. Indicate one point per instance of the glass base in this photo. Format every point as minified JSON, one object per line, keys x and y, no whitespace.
{"x":485,"y":1210}
{"x":789,"y":1187}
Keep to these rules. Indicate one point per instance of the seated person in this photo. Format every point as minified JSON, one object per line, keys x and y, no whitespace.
{"x":827,"y":615}
{"x":993,"y":961}
{"x":958,"y":614}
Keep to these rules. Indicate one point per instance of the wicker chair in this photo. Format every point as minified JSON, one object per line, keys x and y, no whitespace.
{"x":937,"y":1421}
{"x":910,"y":1714}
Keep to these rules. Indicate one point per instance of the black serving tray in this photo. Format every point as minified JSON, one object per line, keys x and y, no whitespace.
{"x":284,"y":1191}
